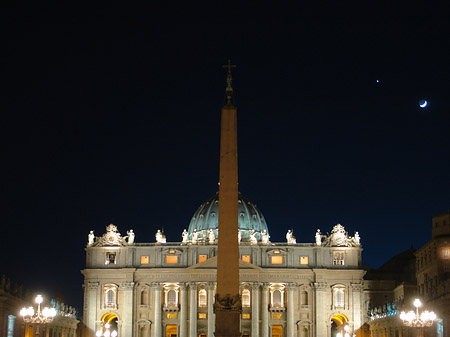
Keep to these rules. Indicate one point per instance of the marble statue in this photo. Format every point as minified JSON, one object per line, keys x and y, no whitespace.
{"x":290,"y":238}
{"x":253,"y":239}
{"x":91,"y":238}
{"x":185,"y":236}
{"x":265,"y":237}
{"x":194,"y":236}
{"x":160,"y":237}
{"x":357,"y":238}
{"x":130,"y":237}
{"x":318,"y":238}
{"x":211,"y":236}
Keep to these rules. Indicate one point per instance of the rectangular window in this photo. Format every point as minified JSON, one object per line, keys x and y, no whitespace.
{"x":171,"y":259}
{"x":144,"y":259}
{"x":276,"y":316}
{"x":202,"y":315}
{"x":338,"y":258}
{"x":246,"y":258}
{"x":245,"y":316}
{"x":277,"y":259}
{"x":171,"y":315}
{"x":202,"y":258}
{"x":110,"y":258}
{"x":304,"y":260}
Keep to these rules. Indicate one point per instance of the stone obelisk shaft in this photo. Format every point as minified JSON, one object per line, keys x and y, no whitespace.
{"x":228,"y":311}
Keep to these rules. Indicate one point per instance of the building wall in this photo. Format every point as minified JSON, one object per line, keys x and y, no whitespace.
{"x":285,"y":295}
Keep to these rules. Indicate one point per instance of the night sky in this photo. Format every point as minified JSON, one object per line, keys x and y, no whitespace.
{"x":112,"y":116}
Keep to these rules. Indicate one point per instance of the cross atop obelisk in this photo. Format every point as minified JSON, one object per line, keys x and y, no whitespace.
{"x":228,"y":302}
{"x":229,"y":89}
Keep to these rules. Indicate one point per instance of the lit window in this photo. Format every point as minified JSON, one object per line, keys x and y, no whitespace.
{"x":202,"y":315}
{"x":338,"y":258}
{"x":304,"y":260}
{"x":277,"y":299}
{"x":110,"y":297}
{"x":202,"y":298}
{"x":276,"y":316}
{"x":172,"y":252}
{"x":246,"y":298}
{"x":245,"y":316}
{"x":144,"y":259}
{"x":110,"y":258}
{"x":276,"y":252}
{"x":202,"y":258}
{"x":277,"y":259}
{"x":246,"y":258}
{"x":338,"y":297}
{"x":446,"y":253}
{"x":171,"y":315}
{"x":171,"y":298}
{"x":171,"y":259}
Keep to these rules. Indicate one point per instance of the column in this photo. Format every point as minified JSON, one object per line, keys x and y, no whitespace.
{"x":211,"y":286}
{"x":320,"y":324}
{"x":11,"y":319}
{"x":183,"y":310}
{"x":90,"y":315}
{"x":127,"y":310}
{"x":290,"y":328}
{"x":265,"y":311}
{"x":193,"y":309}
{"x":255,"y":309}
{"x":157,"y":308}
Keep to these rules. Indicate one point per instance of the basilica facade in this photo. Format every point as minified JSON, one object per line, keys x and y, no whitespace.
{"x":162,"y":288}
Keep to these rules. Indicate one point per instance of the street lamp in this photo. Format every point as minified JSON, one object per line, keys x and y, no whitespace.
{"x":40,"y":317}
{"x":416,"y":319}
{"x":346,"y":333}
{"x":107,"y":332}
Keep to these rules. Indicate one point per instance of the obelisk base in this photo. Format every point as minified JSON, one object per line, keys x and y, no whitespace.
{"x":228,"y":323}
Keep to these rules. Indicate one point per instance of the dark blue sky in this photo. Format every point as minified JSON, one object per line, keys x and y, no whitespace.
{"x":112,"y":115}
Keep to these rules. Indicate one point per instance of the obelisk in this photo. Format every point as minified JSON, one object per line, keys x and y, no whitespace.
{"x":228,"y":303}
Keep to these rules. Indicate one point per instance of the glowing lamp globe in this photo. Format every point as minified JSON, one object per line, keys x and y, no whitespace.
{"x":38,"y":299}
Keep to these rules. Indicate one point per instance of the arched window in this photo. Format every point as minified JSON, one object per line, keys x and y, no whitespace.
{"x":172,"y":298}
{"x":202,"y":298}
{"x":110,"y":297}
{"x":339,"y":297}
{"x":276,"y":299}
{"x":246,"y":298}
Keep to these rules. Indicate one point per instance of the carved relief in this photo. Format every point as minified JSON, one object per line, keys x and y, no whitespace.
{"x":340,"y":237}
{"x":111,"y":238}
{"x":228,"y":303}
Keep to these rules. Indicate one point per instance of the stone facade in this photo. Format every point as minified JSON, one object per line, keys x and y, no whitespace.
{"x":167,"y":289}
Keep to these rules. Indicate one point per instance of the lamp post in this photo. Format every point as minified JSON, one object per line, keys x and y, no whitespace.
{"x":106,"y":331}
{"x":416,"y":319}
{"x":346,"y":332}
{"x":39,"y":317}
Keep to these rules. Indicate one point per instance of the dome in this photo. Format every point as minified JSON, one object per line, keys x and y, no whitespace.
{"x":206,"y":218}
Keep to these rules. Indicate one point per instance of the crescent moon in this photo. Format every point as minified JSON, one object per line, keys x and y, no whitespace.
{"x":425,"y":103}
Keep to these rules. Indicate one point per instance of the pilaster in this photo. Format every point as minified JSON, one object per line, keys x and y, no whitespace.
{"x":211,"y":325}
{"x":265,"y":311}
{"x":255,"y":308}
{"x":183,"y":310}
{"x":128,"y":306}
{"x":156,"y":288}
{"x":193,"y":309}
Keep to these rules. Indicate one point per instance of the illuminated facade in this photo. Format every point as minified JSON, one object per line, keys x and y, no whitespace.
{"x":433,"y":274}
{"x":167,"y":288}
